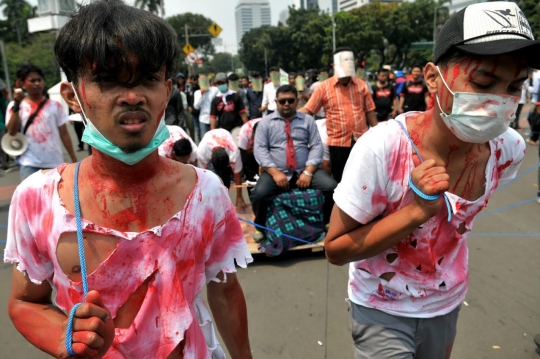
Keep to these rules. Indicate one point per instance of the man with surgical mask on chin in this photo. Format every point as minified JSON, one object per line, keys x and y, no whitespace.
{"x":348,"y":107}
{"x":413,"y":186}
{"x":125,"y":239}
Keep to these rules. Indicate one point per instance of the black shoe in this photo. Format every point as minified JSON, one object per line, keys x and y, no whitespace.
{"x":537,"y":340}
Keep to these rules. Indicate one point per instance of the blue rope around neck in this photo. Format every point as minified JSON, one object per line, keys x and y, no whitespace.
{"x":82,"y":260}
{"x":414,"y":188}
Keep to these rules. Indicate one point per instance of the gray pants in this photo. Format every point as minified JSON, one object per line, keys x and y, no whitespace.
{"x":380,"y":335}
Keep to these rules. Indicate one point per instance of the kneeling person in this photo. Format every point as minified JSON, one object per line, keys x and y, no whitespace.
{"x":289,"y":149}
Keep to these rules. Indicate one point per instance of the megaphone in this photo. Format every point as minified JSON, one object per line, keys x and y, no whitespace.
{"x":14,"y":145}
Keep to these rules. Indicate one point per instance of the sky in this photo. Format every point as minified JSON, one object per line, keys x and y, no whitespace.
{"x":220,"y":11}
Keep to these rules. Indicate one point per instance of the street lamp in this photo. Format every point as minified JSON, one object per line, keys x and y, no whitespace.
{"x":435,"y":11}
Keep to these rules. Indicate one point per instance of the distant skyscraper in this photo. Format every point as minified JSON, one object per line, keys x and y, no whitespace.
{"x":251,"y":14}
{"x":306,"y":4}
{"x":284,"y":16}
{"x":346,"y":5}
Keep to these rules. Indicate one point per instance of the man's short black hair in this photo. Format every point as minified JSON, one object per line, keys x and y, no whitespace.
{"x":220,"y":158}
{"x":286,"y":89}
{"x":341,"y":49}
{"x":182,"y":147}
{"x":233,"y":77}
{"x":107,"y":36}
{"x":195,"y":77}
{"x":245,"y":77}
{"x":255,"y":74}
{"x":323,"y":69}
{"x":273,"y":68}
{"x":25,"y":69}
{"x":382,"y":69}
{"x":417,"y":66}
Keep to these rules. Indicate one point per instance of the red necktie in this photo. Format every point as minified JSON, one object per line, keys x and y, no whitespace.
{"x":291,"y":160}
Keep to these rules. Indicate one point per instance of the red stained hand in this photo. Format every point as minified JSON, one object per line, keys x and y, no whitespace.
{"x":431,"y":180}
{"x":93,"y":329}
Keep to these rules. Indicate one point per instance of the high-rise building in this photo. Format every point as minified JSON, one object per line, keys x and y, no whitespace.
{"x":346,"y":5}
{"x":251,"y":14}
{"x":306,"y":4}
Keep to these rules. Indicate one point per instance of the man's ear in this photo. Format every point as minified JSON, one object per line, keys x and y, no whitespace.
{"x":431,"y":77}
{"x":69,"y":96}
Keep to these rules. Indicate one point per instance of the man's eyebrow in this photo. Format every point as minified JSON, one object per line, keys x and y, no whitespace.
{"x":493,"y":76}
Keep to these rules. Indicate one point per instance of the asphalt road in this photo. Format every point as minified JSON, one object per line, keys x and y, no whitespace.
{"x":296,"y":303}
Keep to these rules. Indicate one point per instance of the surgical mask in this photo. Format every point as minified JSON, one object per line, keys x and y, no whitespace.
{"x":478,"y":117}
{"x":94,"y":138}
{"x":223,"y":88}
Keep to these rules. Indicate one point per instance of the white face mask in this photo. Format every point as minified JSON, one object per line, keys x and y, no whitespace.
{"x":344,"y":64}
{"x":478,"y":117}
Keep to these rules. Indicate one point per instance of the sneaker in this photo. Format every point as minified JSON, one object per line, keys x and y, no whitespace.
{"x":537,"y":340}
{"x":532,"y":143}
{"x":258,"y":236}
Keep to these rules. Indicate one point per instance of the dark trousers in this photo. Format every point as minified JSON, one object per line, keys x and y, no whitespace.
{"x":534,"y":123}
{"x":266,"y":189}
{"x":250,"y":167}
{"x":338,"y":160}
{"x":515,"y":123}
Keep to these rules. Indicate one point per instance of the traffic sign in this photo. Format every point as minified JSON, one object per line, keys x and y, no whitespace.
{"x":188,"y":49}
{"x":215,"y":29}
{"x":192,"y":58}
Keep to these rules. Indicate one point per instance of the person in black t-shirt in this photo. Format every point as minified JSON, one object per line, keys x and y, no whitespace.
{"x":227,"y":109}
{"x":384,"y":96}
{"x":415,"y":94}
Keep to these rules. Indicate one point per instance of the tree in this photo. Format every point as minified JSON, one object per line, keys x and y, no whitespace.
{"x":40,"y":52}
{"x":154,"y":6}
{"x":198,"y":25}
{"x":17,"y":12}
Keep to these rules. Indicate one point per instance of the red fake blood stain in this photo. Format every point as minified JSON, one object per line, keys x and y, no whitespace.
{"x":495,"y":66}
{"x":83,"y":93}
{"x":455,"y":74}
{"x":380,"y":290}
{"x":473,"y":70}
{"x":364,"y":187}
{"x":74,"y":296}
{"x":466,"y":69}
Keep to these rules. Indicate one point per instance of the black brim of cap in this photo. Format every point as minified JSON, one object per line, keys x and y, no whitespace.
{"x":501,"y":47}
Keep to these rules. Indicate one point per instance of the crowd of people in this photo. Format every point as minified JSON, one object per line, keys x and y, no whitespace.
{"x":128,"y":237}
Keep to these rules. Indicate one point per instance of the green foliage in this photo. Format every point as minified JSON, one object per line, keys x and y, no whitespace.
{"x":39,"y":52}
{"x":155,"y":6}
{"x":15,"y":28}
{"x":221,"y":62}
{"x":197,"y":25}
{"x":376,"y":31}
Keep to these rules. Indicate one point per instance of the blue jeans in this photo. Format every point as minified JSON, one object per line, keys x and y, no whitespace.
{"x":26,"y":171}
{"x":205,"y":127}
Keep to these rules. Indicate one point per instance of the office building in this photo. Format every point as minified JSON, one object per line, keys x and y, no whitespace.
{"x":306,"y":4}
{"x":251,"y":14}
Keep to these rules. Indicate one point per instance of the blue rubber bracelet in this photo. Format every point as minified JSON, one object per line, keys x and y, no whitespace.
{"x":69,"y":330}
{"x":422,"y":194}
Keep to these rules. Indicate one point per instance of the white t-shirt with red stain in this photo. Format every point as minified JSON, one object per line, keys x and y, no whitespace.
{"x":182,"y":255}
{"x":430,"y":266}
{"x":44,"y":143}
{"x":245,"y":136}
{"x":219,"y":138}
{"x":176,"y":133}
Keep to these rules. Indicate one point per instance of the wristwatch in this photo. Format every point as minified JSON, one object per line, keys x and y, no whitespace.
{"x":15,"y":108}
{"x":307,"y":173}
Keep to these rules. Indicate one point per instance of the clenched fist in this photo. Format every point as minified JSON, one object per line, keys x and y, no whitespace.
{"x":431,"y":180}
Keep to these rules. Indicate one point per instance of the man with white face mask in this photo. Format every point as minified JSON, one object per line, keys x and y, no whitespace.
{"x":126,"y":239}
{"x":413,"y":186}
{"x":348,"y":106}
